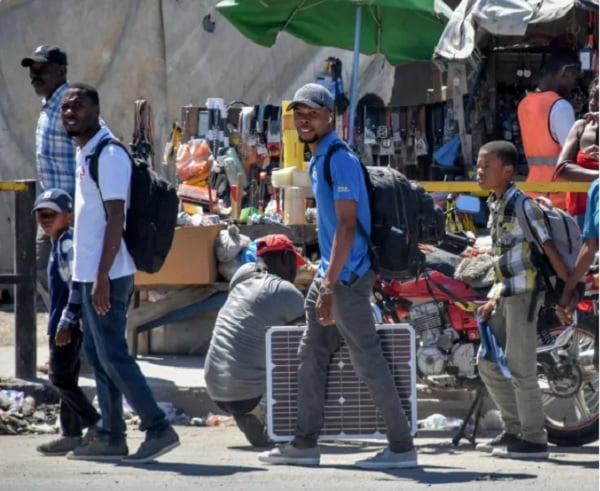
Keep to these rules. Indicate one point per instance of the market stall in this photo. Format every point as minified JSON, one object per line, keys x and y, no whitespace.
{"x":240,"y":174}
{"x":492,"y":50}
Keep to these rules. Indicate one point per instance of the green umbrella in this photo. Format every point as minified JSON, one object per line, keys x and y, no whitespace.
{"x":400,"y":30}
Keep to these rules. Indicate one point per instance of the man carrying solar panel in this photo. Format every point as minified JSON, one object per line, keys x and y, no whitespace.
{"x":261,"y":295}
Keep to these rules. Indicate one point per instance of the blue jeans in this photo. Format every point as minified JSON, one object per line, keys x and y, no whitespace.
{"x":115,"y":370}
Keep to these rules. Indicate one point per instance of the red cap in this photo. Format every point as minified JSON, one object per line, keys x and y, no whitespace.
{"x":278,"y":242}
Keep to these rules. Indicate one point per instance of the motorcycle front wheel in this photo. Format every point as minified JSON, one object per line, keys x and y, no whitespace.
{"x":568,"y":379}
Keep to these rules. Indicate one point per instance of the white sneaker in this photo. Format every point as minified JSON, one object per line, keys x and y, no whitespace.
{"x":289,"y":455}
{"x":386,"y":459}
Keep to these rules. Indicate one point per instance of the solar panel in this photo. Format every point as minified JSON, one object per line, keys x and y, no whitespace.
{"x":349,"y":412}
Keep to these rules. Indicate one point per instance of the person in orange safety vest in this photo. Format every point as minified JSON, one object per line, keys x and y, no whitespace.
{"x":546,"y":117}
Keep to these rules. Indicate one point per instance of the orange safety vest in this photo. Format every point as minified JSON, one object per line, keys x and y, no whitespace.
{"x":541,"y":149}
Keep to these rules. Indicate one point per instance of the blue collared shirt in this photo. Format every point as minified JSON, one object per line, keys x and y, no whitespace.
{"x":348,"y":184}
{"x":54,"y":148}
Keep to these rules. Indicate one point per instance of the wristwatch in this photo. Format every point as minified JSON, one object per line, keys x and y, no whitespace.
{"x":325,"y":290}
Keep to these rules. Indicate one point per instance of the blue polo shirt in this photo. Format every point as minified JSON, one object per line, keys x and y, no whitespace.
{"x":590,"y":224}
{"x":348,"y":184}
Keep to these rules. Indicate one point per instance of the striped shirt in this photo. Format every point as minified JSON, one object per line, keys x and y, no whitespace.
{"x":514,"y":270}
{"x":54,"y":148}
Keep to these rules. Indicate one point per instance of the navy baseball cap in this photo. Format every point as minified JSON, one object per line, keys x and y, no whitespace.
{"x":312,"y":95}
{"x":46,"y":53}
{"x":54,"y":199}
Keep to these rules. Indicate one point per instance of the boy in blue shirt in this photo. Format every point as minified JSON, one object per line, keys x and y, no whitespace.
{"x":54,"y":209}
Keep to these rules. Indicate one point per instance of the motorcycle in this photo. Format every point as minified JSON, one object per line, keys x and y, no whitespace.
{"x":442,"y":311}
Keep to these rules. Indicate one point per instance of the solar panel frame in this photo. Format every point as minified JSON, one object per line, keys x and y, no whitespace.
{"x":349,"y":412}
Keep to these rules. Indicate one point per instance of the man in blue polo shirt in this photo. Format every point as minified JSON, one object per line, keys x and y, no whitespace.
{"x":337,"y":304}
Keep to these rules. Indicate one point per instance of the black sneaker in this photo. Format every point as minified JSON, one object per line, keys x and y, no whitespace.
{"x":501,"y":441}
{"x":522,"y":449}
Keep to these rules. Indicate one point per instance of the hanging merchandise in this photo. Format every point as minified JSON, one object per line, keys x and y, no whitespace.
{"x":142,"y":145}
{"x":588,"y":56}
{"x":331,"y":78}
{"x":217,"y":124}
{"x":172,"y":145}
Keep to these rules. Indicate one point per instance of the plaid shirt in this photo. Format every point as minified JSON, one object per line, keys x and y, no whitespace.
{"x":513,"y":267}
{"x":54,"y":148}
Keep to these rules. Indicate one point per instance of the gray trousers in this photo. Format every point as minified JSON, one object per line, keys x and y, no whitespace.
{"x":355,"y":326}
{"x":519,"y":399}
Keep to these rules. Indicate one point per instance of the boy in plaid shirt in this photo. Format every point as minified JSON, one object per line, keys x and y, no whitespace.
{"x":513,"y":296}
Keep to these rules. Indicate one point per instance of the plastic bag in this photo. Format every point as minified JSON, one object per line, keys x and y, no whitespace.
{"x":194,"y":160}
{"x":229,"y":243}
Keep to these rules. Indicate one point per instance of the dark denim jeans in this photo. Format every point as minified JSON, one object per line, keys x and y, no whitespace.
{"x":116,"y":371}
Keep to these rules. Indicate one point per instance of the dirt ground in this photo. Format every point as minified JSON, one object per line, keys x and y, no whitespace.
{"x":7,"y":328}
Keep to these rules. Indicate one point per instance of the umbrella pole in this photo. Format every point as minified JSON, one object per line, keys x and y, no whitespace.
{"x":354,"y":86}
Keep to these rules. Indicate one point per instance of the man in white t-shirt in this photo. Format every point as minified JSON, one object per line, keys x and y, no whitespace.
{"x":104,"y":270}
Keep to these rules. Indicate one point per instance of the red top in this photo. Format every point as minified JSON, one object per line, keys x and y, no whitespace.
{"x":576,"y":202}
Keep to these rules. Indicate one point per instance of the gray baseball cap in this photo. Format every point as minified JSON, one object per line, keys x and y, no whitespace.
{"x":314,"y":96}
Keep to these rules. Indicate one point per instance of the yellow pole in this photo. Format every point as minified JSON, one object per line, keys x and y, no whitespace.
{"x":293,"y":150}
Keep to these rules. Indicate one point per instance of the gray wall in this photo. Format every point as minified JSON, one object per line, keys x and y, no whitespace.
{"x":156,"y":49}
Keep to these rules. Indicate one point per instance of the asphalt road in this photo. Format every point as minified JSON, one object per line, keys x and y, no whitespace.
{"x":219,"y":458}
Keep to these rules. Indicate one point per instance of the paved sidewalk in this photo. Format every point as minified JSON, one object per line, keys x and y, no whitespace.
{"x":175,"y":379}
{"x":219,"y":458}
{"x":180,"y":380}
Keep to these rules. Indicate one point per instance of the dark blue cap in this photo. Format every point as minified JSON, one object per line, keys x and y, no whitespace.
{"x":54,"y":199}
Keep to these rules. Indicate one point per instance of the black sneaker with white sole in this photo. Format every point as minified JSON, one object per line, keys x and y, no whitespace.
{"x":522,"y":449}
{"x":501,"y":441}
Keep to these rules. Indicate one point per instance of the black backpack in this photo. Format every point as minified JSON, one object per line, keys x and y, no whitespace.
{"x":402,"y":216}
{"x":152,"y":212}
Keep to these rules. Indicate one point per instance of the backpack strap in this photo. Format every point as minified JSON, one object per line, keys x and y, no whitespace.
{"x":537,"y":248}
{"x":327,"y":174}
{"x":93,"y":163}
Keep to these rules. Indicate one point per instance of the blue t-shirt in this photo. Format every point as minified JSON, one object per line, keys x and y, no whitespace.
{"x":348,"y":184}
{"x":590,"y":224}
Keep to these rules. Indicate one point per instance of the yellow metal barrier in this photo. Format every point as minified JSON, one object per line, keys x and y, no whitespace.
{"x":528,"y":187}
{"x":15,"y":186}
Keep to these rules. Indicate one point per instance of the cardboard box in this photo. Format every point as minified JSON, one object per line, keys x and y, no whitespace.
{"x":191,"y":260}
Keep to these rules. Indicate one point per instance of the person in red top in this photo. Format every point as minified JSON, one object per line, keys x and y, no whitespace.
{"x":578,"y":160}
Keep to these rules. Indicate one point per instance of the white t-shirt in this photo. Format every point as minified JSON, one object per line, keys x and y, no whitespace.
{"x":562,"y":119}
{"x":114,"y":174}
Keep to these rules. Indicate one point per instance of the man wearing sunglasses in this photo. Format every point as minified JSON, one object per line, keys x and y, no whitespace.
{"x":54,"y":148}
{"x":546,"y":117}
